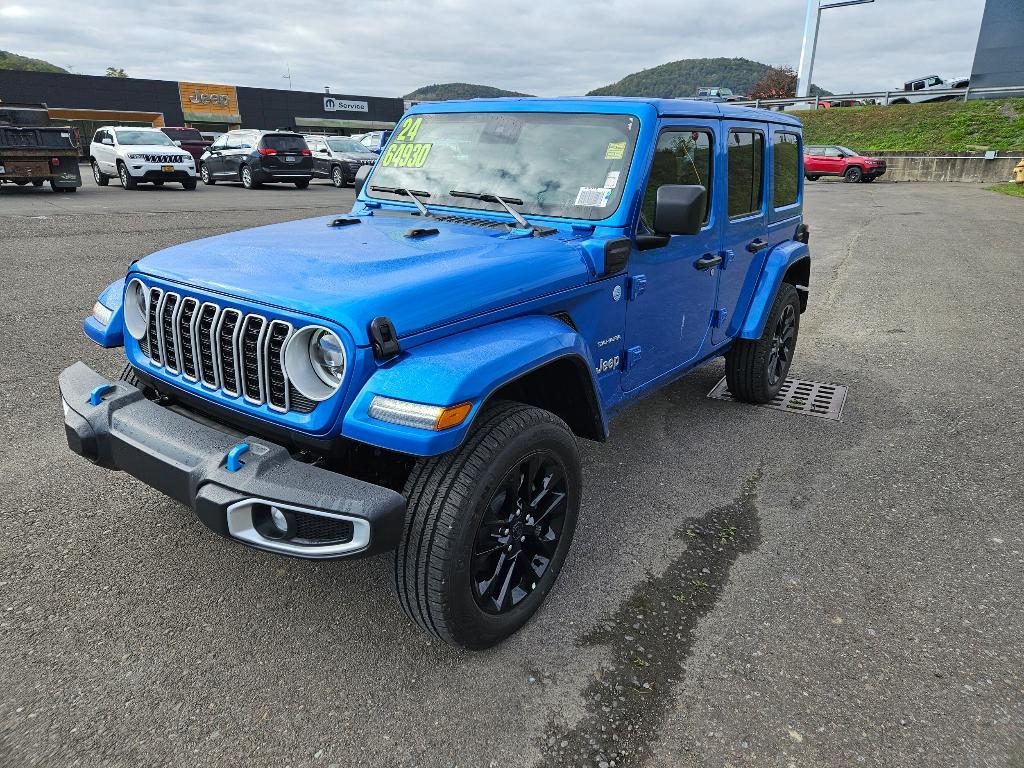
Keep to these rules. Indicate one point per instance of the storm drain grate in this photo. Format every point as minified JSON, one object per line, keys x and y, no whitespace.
{"x":808,"y":398}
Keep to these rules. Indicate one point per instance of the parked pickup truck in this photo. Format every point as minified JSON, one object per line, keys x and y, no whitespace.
{"x":189,"y":139}
{"x":32,"y":151}
{"x":413,"y":376}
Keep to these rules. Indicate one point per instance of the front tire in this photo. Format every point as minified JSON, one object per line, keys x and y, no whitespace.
{"x":302,"y":184}
{"x":99,"y":176}
{"x":853,"y":175}
{"x":127,"y":180}
{"x":204,"y":174}
{"x":489,"y":526}
{"x":337,"y":177}
{"x":190,"y":184}
{"x":756,"y":369}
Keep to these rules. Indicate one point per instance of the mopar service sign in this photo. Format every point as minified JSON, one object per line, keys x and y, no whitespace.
{"x":332,"y":104}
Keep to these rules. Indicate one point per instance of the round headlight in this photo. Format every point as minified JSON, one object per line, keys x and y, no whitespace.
{"x":136,"y":303}
{"x":314,"y":361}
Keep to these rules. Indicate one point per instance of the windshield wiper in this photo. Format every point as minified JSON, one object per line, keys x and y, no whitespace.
{"x":502,"y":201}
{"x":412,"y":194}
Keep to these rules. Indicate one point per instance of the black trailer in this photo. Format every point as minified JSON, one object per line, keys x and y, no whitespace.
{"x":32,"y":151}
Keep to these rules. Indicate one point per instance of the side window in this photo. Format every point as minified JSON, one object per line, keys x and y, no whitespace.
{"x":785,"y":169}
{"x":233,"y":141}
{"x":681,"y":157}
{"x":832,"y":152}
{"x":221,"y":142}
{"x":746,"y":172}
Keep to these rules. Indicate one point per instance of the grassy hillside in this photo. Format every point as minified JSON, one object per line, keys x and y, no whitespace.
{"x":949,"y":126}
{"x":10,"y":60}
{"x":446,"y":91}
{"x":683,"y":78}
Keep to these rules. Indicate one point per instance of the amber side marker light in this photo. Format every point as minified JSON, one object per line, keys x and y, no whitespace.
{"x":418,"y":415}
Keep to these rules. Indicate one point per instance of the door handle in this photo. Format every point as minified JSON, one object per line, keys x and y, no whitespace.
{"x":707,"y":261}
{"x":757,"y":245}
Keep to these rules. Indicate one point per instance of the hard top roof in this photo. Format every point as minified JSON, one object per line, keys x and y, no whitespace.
{"x":663,"y":107}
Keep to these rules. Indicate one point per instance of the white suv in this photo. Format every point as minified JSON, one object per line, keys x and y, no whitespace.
{"x":138,"y":155}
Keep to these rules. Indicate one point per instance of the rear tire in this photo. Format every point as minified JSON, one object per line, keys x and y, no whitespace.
{"x":99,"y":176}
{"x":488,"y":526}
{"x":853,"y":175}
{"x":37,"y":182}
{"x":812,"y":178}
{"x":127,"y":180}
{"x":302,"y":184}
{"x":756,"y":369}
{"x":247,"y":178}
{"x":205,"y":175}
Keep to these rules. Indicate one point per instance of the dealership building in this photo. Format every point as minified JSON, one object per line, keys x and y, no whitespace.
{"x":87,"y":101}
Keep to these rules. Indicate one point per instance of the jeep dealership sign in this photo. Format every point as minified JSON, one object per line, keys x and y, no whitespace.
{"x":332,"y":104}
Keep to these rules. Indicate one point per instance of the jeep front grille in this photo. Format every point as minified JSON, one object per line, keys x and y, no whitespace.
{"x":222,"y":349}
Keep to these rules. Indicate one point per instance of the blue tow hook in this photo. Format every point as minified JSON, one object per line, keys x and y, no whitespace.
{"x":235,"y":457}
{"x":96,"y":396}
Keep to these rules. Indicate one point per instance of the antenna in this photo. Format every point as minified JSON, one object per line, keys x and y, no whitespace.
{"x":288,"y":77}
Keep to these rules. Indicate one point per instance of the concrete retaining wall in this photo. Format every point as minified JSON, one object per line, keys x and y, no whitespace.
{"x":908,"y":166}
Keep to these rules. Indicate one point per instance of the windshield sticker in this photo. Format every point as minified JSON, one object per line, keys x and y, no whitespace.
{"x":405,"y":155}
{"x":409,"y":129}
{"x":613,"y":179}
{"x":593,"y":197}
{"x":616,"y":150}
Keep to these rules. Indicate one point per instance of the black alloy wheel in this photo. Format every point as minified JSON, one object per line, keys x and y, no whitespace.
{"x":519,"y":533}
{"x":853,"y":174}
{"x":783,"y":341}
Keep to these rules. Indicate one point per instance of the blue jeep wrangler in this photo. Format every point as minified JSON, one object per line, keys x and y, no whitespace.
{"x":414,"y":375}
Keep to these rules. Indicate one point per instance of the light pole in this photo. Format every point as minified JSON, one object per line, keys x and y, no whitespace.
{"x":811,"y":24}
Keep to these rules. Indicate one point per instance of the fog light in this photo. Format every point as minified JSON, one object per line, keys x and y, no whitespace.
{"x":279,"y":520}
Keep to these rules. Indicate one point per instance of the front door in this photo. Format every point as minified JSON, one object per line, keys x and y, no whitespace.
{"x":746,"y":227}
{"x":671,"y":289}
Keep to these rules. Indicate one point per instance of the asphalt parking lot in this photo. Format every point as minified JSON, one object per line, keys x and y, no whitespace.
{"x":746,"y":587}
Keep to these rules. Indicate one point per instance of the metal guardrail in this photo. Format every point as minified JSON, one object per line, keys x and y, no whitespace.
{"x":887,"y":98}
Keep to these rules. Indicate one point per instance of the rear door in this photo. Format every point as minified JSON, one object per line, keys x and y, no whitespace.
{"x":671,"y":288}
{"x":746,"y":225}
{"x":290,"y":154}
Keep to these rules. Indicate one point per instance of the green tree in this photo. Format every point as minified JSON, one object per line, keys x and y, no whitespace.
{"x":116,"y":72}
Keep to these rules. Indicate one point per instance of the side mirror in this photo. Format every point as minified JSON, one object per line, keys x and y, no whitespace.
{"x":177,"y":143}
{"x":108,"y":142}
{"x":361,"y":175}
{"x":325,"y":151}
{"x":679,"y":209}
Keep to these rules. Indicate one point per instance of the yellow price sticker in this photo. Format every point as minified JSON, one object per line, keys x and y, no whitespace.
{"x":405,"y":155}
{"x":616,"y":150}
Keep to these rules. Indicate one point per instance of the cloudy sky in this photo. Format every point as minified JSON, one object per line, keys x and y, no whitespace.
{"x":560,"y":47}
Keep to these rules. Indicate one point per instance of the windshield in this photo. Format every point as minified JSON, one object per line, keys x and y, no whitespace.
{"x":848,"y":151}
{"x":557,"y":164}
{"x":346,"y":145}
{"x":183,"y":134}
{"x":143,"y":137}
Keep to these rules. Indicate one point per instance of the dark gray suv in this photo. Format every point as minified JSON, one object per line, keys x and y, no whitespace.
{"x":338,"y":158}
{"x":258,"y":157}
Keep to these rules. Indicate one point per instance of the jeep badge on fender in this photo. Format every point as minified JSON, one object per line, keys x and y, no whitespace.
{"x":413,"y":377}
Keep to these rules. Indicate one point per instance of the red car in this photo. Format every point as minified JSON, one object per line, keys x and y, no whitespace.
{"x":189,"y":139}
{"x":840,"y":161}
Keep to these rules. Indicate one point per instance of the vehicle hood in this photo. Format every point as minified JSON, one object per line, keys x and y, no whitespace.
{"x":356,"y":156}
{"x":156,"y":149}
{"x":352,"y":274}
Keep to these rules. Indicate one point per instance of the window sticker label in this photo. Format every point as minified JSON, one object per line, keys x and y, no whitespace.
{"x":612,"y":181}
{"x":615,"y":151}
{"x":399,"y":155}
{"x":593,"y":197}
{"x":409,"y":129}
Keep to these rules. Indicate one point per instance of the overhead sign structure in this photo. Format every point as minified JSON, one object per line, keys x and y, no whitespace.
{"x":331,"y":104}
{"x":204,"y":102}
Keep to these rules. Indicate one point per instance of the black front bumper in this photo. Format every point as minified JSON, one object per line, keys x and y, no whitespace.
{"x":179,"y":176}
{"x":188,"y":461}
